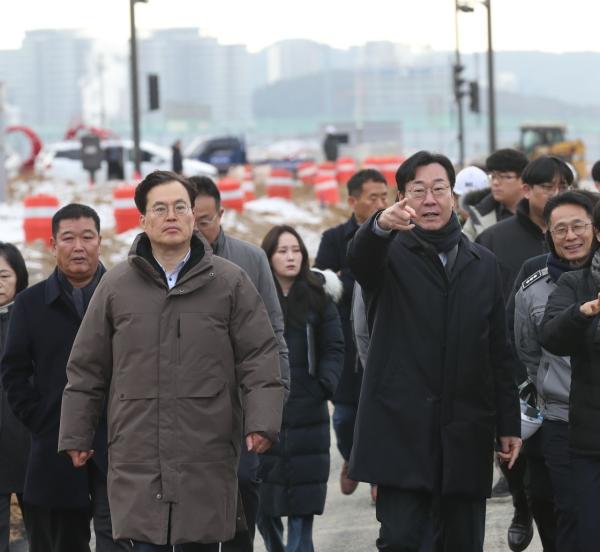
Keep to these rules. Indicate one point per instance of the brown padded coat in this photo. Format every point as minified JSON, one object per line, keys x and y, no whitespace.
{"x":179,"y":370}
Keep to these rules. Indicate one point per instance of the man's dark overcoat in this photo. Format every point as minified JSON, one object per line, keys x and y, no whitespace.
{"x":437,"y":388}
{"x":41,"y":332}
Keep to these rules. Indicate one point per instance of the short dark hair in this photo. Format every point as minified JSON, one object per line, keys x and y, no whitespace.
{"x":596,"y":172}
{"x":158,"y":178}
{"x":545,"y":169}
{"x":15,"y":260}
{"x":74,"y":211}
{"x":407,"y":170}
{"x":583,"y":198}
{"x":507,"y":160}
{"x":359,"y":178}
{"x":205,"y":186}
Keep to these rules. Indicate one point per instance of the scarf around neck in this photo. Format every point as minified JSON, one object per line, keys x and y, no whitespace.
{"x":557,"y":267}
{"x":444,"y":239}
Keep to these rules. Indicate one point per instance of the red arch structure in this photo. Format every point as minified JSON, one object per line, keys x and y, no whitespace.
{"x":34,"y":140}
{"x":102,"y":133}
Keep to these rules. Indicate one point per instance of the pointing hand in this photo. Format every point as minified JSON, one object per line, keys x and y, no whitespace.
{"x":397,"y":217}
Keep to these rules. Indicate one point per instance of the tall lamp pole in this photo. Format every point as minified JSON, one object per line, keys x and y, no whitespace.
{"x":135,"y":107}
{"x":458,"y":92}
{"x":467,"y":7}
{"x":491,"y":85}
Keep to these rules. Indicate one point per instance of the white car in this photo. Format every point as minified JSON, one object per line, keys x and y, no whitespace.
{"x":62,"y":161}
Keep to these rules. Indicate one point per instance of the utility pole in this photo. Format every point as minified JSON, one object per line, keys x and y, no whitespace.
{"x":491,"y":85}
{"x":458,"y":93}
{"x":135,"y":106}
{"x":3,"y":176}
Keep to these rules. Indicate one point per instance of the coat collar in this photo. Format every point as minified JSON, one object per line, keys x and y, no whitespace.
{"x":196,"y":269}
{"x":52,"y":290}
{"x":350,"y":227}
{"x":523,"y":218}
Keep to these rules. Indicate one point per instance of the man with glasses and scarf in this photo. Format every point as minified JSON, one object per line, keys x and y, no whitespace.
{"x":438,"y":387}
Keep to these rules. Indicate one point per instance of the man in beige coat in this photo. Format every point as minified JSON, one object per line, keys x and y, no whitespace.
{"x":178,"y":343}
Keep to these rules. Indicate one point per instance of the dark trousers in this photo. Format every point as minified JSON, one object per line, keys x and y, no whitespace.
{"x":191,"y":547}
{"x":344,"y":416}
{"x":5,"y":519}
{"x":555,"y":448}
{"x":299,"y":537}
{"x":68,"y":530}
{"x":248,"y":485}
{"x":406,"y":517}
{"x":586,"y":487}
{"x":57,"y":530}
{"x":101,"y":513}
{"x":540,"y":495}
{"x":531,"y":490}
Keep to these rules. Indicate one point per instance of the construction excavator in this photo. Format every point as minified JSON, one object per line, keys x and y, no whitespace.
{"x":550,"y":139}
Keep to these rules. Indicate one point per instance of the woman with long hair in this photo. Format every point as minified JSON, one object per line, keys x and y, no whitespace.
{"x":14,"y":438}
{"x":296,"y":469}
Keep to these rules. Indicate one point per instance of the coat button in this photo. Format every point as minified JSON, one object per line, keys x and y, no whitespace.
{"x":212,"y":275}
{"x":158,"y":496}
{"x":181,"y":290}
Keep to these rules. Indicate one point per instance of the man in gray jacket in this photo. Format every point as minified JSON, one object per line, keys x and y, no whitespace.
{"x":569,"y":219}
{"x":208,"y":213}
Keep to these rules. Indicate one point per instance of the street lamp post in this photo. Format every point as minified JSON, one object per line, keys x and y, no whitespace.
{"x":467,"y":7}
{"x":135,"y":107}
{"x":491,"y":86}
{"x":458,"y":93}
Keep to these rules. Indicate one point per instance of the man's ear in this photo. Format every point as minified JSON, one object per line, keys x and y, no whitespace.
{"x":526,"y":190}
{"x":143,"y":221}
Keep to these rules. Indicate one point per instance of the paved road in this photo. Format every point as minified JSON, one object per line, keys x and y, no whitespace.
{"x":349,"y":524}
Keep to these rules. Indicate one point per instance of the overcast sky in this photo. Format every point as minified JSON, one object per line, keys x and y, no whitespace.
{"x":546,"y":25}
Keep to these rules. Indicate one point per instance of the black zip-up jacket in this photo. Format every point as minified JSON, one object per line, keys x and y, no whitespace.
{"x":513,"y":241}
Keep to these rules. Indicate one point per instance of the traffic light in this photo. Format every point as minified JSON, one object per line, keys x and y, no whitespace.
{"x":474,"y":96}
{"x":153,"y":93}
{"x":458,"y":80}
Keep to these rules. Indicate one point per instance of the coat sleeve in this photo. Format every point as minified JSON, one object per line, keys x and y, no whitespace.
{"x":18,"y":369}
{"x":360,"y":326}
{"x":331,"y":349}
{"x":329,"y":256}
{"x":563,"y":326}
{"x":89,"y":372}
{"x":508,"y":418}
{"x":256,"y":360}
{"x":367,"y":255}
{"x":266,"y":289}
{"x":526,"y":338}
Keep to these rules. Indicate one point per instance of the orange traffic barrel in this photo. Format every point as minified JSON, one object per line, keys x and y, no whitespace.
{"x":232,"y":195}
{"x":389,"y":165}
{"x":248,"y":186}
{"x":326,"y":188}
{"x":280,"y":183}
{"x":345,"y":168}
{"x":37,"y":222}
{"x":307,"y":172}
{"x":126,"y":214}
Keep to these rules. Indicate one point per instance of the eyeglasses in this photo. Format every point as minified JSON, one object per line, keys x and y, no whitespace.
{"x":203,"y":223}
{"x":502,"y":176}
{"x":161,"y":210}
{"x":420,"y":192}
{"x":550,"y":188}
{"x":560,"y":231}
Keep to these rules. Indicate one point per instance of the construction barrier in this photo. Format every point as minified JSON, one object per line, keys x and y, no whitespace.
{"x":307,"y":171}
{"x":232,"y":195}
{"x":248,"y":186}
{"x":280,"y":183}
{"x":389,"y":165}
{"x":345,"y":168}
{"x":126,"y":214}
{"x":37,"y":222}
{"x":326,"y":187}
